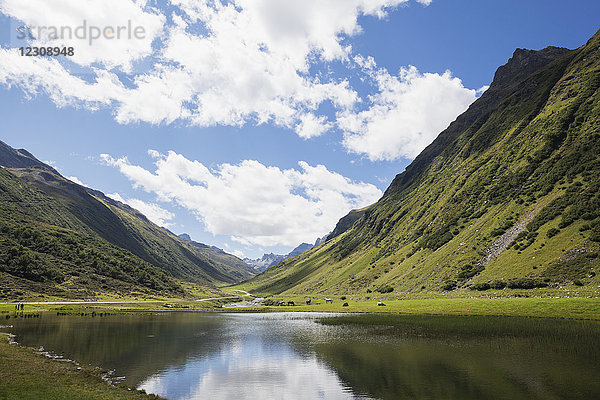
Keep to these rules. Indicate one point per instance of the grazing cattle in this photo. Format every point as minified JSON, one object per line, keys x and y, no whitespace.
{"x":291,"y":303}
{"x":380,"y":303}
{"x":308,"y":302}
{"x":345,"y":305}
{"x":328,"y":301}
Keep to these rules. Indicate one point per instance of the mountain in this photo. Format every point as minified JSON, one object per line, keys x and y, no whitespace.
{"x":265,"y":262}
{"x":185,"y":237}
{"x":238,"y":268}
{"x":507,"y":196}
{"x":63,"y":239}
{"x":269,"y":260}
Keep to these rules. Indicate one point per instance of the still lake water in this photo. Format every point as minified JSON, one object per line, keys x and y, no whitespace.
{"x":296,"y":356}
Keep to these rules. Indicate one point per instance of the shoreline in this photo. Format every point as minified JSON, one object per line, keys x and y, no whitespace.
{"x":27,"y":373}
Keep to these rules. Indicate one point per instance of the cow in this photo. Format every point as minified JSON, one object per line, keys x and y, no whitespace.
{"x":308,"y":302}
{"x":328,"y":301}
{"x":345,"y":305}
{"x":380,"y":303}
{"x":291,"y":303}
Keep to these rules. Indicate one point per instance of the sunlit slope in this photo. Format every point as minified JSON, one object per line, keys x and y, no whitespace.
{"x":507,"y":195}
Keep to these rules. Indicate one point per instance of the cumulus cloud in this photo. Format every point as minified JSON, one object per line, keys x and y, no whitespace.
{"x":207,"y":63}
{"x":250,"y":202}
{"x":152,"y":211}
{"x":406,"y":114}
{"x":76,"y":23}
{"x":40,"y":74}
{"x":237,"y":62}
{"x":76,"y":180}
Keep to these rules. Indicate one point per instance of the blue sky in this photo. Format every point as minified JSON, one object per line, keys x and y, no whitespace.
{"x":266,"y":120}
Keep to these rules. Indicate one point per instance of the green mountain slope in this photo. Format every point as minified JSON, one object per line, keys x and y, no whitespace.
{"x":508,"y":195}
{"x":60,"y":238}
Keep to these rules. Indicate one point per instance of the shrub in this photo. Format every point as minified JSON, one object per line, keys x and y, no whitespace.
{"x":552,"y":232}
{"x":469,"y":271}
{"x":449,"y":285}
{"x":343,"y":298}
{"x":385,"y":289}
{"x":497,"y":285}
{"x":480,"y":286}
{"x":526,"y":283}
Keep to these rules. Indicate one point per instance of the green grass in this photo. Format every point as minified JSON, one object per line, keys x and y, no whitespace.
{"x":572,"y":308}
{"x":25,"y":375}
{"x":474,"y":326}
{"x":548,"y":307}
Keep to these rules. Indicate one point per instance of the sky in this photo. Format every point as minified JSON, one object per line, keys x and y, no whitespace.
{"x":254,"y":125}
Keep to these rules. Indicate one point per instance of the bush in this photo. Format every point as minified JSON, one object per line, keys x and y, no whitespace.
{"x":552,"y":232}
{"x":343,"y":298}
{"x":449,"y":285}
{"x":480,"y":286}
{"x":526,"y":283}
{"x":385,"y":289}
{"x":497,"y":285}
{"x":469,"y":271}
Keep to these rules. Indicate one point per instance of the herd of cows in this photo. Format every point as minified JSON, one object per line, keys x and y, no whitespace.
{"x":327,"y":300}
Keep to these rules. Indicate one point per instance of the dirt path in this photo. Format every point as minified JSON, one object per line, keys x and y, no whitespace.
{"x":228,"y":297}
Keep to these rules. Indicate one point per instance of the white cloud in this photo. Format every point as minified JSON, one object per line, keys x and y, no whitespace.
{"x":311,"y":125}
{"x":238,"y":62}
{"x":62,"y":18}
{"x":76,"y":180}
{"x":35,"y":74}
{"x":208,"y":63}
{"x":406,"y":114}
{"x":152,"y":211}
{"x":238,"y":253}
{"x":250,"y":202}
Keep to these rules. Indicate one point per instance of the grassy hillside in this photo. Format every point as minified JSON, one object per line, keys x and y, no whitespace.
{"x":507,"y":198}
{"x":61,"y":239}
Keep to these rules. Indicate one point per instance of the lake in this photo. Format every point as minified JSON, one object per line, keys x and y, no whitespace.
{"x":183,"y":355}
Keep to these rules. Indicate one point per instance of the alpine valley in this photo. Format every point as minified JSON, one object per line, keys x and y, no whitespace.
{"x":507,"y":198}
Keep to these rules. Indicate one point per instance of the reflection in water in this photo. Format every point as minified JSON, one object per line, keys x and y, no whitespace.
{"x":294,"y":356}
{"x":249,"y":370}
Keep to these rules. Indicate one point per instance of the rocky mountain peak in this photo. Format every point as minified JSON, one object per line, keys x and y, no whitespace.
{"x":18,"y":158}
{"x":524,"y":62}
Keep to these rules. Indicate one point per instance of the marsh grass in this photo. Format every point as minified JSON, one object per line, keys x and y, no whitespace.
{"x":581,"y":336}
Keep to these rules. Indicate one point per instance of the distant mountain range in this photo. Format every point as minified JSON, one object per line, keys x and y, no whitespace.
{"x":62,"y":239}
{"x":508,"y":196}
{"x":269,"y":260}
